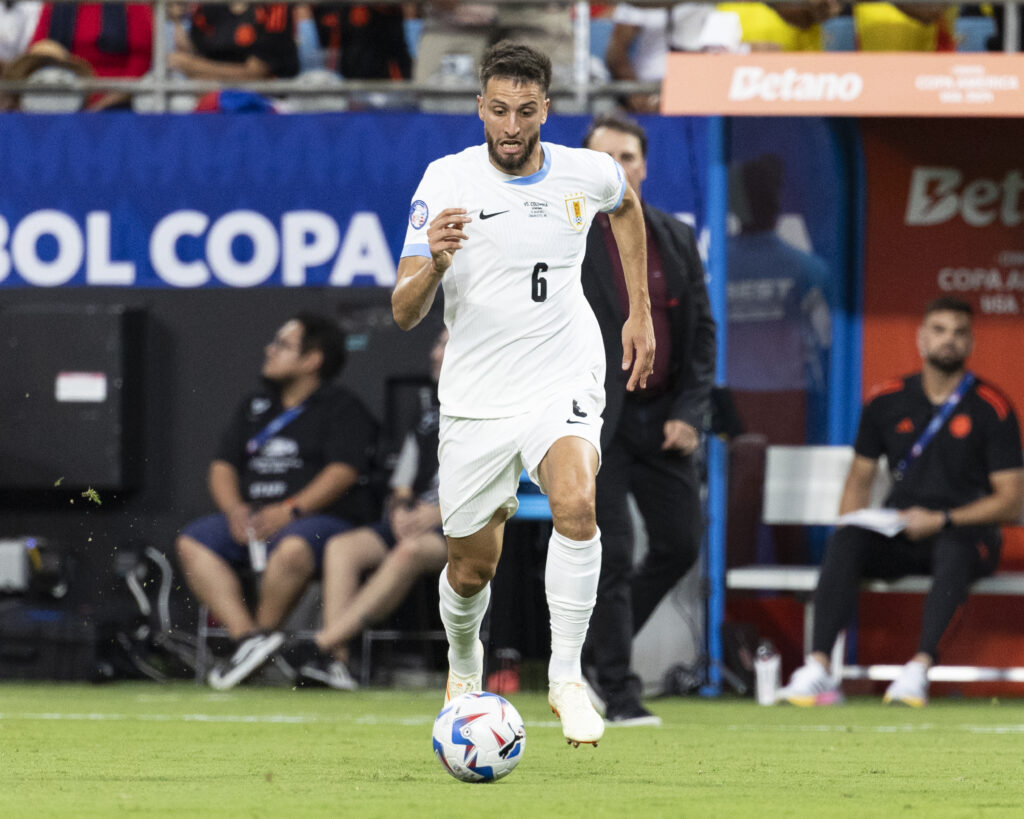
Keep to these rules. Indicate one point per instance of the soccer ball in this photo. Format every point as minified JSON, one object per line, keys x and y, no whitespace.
{"x":479,"y":737}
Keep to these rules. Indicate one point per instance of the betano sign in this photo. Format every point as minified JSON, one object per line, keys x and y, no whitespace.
{"x":984,"y":85}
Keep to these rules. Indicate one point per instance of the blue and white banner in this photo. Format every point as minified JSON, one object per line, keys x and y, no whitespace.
{"x":119,"y":200}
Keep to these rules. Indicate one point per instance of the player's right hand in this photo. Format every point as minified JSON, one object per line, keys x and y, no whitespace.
{"x":446,"y":235}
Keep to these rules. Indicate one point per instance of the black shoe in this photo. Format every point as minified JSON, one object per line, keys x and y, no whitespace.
{"x":252,"y":652}
{"x":326,"y":670}
{"x":631,"y":715}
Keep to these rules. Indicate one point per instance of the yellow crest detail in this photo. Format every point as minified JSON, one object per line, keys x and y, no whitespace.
{"x":576,"y":208}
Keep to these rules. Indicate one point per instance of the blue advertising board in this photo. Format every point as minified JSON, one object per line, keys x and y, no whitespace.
{"x":119,"y":200}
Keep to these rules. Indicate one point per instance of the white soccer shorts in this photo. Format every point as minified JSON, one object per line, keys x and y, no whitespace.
{"x":481,"y":458}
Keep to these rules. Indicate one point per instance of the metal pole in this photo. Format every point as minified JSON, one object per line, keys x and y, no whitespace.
{"x":1011,"y":27}
{"x":718,"y":461}
{"x":581,"y":54}
{"x":159,"y":68}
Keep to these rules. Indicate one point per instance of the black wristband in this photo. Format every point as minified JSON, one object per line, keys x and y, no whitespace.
{"x":947,"y":520}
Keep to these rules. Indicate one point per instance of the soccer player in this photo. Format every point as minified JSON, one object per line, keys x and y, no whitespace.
{"x":502,"y":228}
{"x":953,"y":447}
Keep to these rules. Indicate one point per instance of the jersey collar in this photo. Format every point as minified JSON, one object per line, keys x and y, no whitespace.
{"x":533,"y":178}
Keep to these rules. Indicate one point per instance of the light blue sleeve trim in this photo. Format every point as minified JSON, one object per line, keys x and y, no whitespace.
{"x":622,"y":187}
{"x":416,"y":250}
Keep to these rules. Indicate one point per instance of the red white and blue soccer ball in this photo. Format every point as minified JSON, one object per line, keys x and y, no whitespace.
{"x":479,"y":737}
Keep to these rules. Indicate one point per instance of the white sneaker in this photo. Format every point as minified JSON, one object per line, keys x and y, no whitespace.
{"x":811,"y":685}
{"x":458,"y":685}
{"x":328,"y":671}
{"x":910,"y":687}
{"x":580,"y":722}
{"x":250,"y":655}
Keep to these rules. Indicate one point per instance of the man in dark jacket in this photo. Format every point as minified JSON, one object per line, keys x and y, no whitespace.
{"x":649,"y":436}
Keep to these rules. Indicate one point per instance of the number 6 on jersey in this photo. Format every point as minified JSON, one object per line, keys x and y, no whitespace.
{"x":539,"y":284}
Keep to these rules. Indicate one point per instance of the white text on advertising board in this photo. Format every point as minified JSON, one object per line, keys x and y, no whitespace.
{"x":301,"y":240}
{"x":939,"y":194}
{"x":753,"y":82}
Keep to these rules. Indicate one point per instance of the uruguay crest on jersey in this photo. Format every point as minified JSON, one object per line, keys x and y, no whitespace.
{"x":576,"y":207}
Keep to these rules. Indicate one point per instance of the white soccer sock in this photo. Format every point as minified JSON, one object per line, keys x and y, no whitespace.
{"x":462,"y":617}
{"x":570,"y":584}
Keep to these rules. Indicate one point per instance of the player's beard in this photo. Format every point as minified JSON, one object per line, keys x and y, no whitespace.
{"x":949,"y":363}
{"x":511,"y":164}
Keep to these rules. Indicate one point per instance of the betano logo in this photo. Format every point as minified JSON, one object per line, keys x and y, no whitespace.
{"x":938,"y":195}
{"x":753,"y":82}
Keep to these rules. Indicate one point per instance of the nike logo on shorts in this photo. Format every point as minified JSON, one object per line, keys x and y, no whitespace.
{"x":489,"y":215}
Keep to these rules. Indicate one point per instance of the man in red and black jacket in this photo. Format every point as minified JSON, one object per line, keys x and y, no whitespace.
{"x":954,"y":451}
{"x":650,"y":437}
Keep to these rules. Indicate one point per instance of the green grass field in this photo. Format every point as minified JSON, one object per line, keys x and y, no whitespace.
{"x":182,"y":750}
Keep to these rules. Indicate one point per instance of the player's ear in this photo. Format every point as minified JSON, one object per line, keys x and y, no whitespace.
{"x":544,"y":113}
{"x":480,"y":107}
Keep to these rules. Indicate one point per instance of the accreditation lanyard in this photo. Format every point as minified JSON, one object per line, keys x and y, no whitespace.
{"x":933,"y":427}
{"x":255,"y":444}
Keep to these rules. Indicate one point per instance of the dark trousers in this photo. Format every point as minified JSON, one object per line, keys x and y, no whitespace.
{"x":666,"y":487}
{"x":955,"y":559}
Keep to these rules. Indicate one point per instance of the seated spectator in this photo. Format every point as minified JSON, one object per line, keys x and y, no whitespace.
{"x":237,"y":42}
{"x":115,"y":39}
{"x":641,"y":39}
{"x":18,"y":22}
{"x":290,"y":473}
{"x":907,"y":27}
{"x":954,"y":452}
{"x":783,"y":26}
{"x":360,"y":41}
{"x":456,"y":33}
{"x":405,"y":544}
{"x":46,"y":63}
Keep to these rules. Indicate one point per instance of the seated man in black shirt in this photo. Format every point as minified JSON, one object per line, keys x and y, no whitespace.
{"x":237,"y":42}
{"x":954,"y":451}
{"x":290,"y":473}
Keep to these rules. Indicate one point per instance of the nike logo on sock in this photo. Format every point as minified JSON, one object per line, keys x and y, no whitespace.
{"x":489,"y":215}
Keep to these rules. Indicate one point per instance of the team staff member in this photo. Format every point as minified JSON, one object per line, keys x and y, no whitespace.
{"x":502,"y":228}
{"x":954,"y":450}
{"x":650,"y":435}
{"x":291,"y":472}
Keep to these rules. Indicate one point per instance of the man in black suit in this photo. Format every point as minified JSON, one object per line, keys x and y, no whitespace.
{"x":649,"y":436}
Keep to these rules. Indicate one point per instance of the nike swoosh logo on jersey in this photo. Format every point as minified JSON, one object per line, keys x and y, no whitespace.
{"x":570,"y":421}
{"x":489,"y":215}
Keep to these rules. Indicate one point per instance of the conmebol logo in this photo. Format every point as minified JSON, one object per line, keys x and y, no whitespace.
{"x":753,"y":82}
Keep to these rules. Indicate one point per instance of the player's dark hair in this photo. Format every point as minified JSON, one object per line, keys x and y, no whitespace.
{"x":614,"y":122}
{"x":321,"y":333}
{"x":517,"y":62}
{"x":948,"y":303}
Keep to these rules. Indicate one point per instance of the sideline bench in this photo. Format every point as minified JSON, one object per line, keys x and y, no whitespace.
{"x":803,"y":486}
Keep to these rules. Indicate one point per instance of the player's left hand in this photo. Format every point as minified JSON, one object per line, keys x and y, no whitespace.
{"x":638,"y":349}
{"x":921,"y":522}
{"x":681,"y":436}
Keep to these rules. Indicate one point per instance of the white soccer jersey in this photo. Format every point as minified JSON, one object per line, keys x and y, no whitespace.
{"x":519,"y":323}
